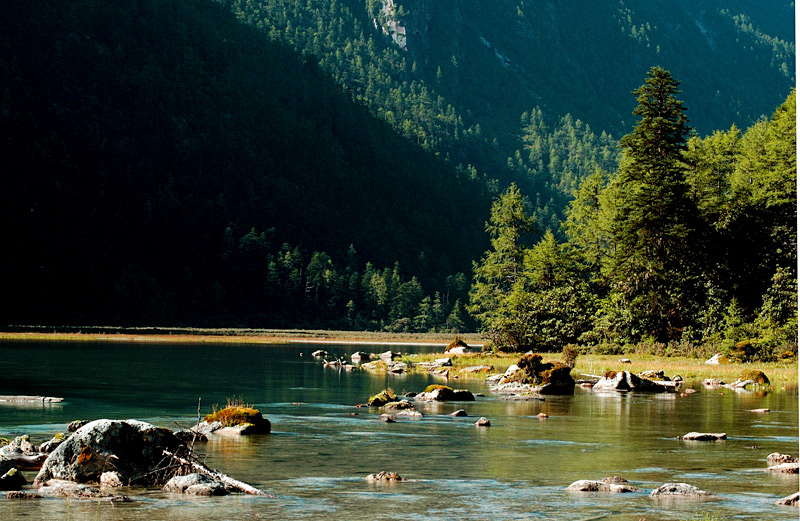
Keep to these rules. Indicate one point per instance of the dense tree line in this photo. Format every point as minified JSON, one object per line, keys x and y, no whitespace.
{"x":690,"y":240}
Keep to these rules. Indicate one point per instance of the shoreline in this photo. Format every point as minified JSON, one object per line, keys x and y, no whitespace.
{"x":230,"y":336}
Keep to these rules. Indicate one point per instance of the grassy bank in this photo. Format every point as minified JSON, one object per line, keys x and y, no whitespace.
{"x":781,"y":374}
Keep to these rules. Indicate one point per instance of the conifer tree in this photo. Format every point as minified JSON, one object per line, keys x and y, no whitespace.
{"x":654,"y":267}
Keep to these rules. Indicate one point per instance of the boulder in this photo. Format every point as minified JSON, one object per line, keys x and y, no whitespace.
{"x":703,"y":436}
{"x":717,"y":359}
{"x":396,"y":367}
{"x":382,"y":398}
{"x":624,"y":361}
{"x":586,"y":485}
{"x":133,"y":449}
{"x":626,"y":381}
{"x":679,"y":490}
{"x":776,"y":458}
{"x":385,"y":477}
{"x":319,"y":353}
{"x":790,"y":501}
{"x":399,"y":406}
{"x":483,"y":422}
{"x":360,"y":356}
{"x":409,"y":413}
{"x":459,"y":412}
{"x":236,"y":420}
{"x":388,"y":356}
{"x":652,"y":375}
{"x":12,"y":480}
{"x":75,"y":425}
{"x":50,"y":445}
{"x":196,"y":485}
{"x":63,"y":488}
{"x":785,"y":468}
{"x":110,"y":479}
{"x":442,"y":393}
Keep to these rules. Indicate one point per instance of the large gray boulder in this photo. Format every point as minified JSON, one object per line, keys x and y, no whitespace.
{"x":626,"y":381}
{"x":679,"y":490}
{"x":133,"y":449}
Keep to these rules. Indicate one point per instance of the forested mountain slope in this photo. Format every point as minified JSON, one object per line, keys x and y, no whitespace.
{"x":463,"y":78}
{"x":142,"y":141}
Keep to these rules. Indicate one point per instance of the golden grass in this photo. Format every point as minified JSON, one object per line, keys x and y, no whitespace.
{"x":780,"y":374}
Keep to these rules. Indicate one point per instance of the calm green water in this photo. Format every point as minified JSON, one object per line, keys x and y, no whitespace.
{"x":319,"y":452}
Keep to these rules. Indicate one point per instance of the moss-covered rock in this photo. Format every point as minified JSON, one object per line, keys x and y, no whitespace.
{"x":382,"y":398}
{"x":754,"y":375}
{"x":249,"y":420}
{"x":442,"y":393}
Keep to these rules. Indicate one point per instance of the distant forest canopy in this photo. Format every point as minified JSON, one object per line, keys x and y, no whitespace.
{"x":171,"y":165}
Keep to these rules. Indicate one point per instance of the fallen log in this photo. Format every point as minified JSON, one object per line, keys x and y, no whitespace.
{"x":29,"y":399}
{"x":23,"y":461}
{"x":226,"y":480}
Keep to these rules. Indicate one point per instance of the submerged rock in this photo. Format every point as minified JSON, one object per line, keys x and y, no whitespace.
{"x":133,"y":449}
{"x":385,"y":477}
{"x":703,"y":436}
{"x":459,"y":412}
{"x":785,"y":468}
{"x":586,"y":485}
{"x":679,"y":490}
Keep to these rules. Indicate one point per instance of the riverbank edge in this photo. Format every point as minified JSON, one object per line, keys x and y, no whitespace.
{"x":227,"y":336}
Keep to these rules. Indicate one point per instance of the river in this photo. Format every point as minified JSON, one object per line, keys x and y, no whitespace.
{"x":321,"y":447}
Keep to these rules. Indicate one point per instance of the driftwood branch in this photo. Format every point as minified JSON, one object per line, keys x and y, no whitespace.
{"x":228,"y":481}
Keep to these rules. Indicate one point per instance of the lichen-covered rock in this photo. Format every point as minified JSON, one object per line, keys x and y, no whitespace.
{"x":586,"y":485}
{"x":133,"y":449}
{"x":12,"y":480}
{"x":776,"y":458}
{"x":196,"y":485}
{"x":679,"y":490}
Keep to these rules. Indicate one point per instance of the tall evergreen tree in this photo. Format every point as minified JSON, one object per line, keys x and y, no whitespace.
{"x":654,"y":267}
{"x":501,"y":268}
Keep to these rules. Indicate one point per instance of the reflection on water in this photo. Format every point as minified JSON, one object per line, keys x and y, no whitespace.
{"x":322,"y":447}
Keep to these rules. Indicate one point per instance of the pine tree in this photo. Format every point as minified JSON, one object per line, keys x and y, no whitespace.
{"x":654,"y":267}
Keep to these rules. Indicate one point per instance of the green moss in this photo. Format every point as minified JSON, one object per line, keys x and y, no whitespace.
{"x":234,"y":415}
{"x":757,"y":376}
{"x":434,"y":387}
{"x":382,"y":398}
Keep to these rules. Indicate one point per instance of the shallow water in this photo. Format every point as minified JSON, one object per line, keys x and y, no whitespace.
{"x":321,"y":447}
